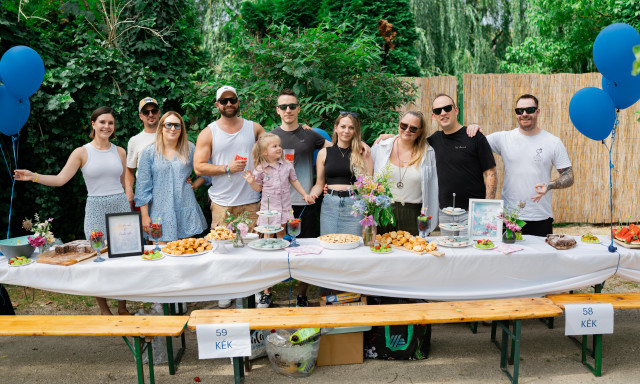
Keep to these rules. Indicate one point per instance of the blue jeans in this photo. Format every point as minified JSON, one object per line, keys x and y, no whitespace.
{"x":336,"y":217}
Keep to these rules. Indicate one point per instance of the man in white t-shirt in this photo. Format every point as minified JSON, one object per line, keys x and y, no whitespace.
{"x":149,"y":113}
{"x":528,"y":153}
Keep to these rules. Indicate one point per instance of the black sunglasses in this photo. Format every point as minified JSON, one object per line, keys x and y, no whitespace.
{"x":226,"y":100}
{"x":530,"y":110}
{"x":283,"y":107}
{"x":446,"y":108}
{"x":411,"y":128}
{"x":347,"y":113}
{"x":153,"y":111}
{"x":177,"y":126}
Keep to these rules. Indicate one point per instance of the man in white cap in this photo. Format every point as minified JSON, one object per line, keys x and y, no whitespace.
{"x":223,"y":151}
{"x":149,"y":113}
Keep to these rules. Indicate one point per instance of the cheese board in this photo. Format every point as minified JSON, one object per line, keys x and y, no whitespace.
{"x":65,"y":259}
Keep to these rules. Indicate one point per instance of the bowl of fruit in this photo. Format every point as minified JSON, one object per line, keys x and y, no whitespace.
{"x":589,"y":238}
{"x":20,"y":261}
{"x":484,"y":244}
{"x":151,"y":255}
{"x":381,"y":248}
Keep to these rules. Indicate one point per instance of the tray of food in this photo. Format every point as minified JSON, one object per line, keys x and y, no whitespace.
{"x":589,"y":238}
{"x":452,"y":226}
{"x":187,"y":247}
{"x":627,"y":236}
{"x":340,"y":241}
{"x":381,"y":248}
{"x":68,"y":253}
{"x":268,"y":244}
{"x":20,"y":261}
{"x":454,"y":241}
{"x":407,"y":242}
{"x":268,"y":229}
{"x":453,"y":211}
{"x":220,"y":233}
{"x":152,"y":255}
{"x":268,"y":213}
{"x":561,"y":242}
{"x":484,"y":244}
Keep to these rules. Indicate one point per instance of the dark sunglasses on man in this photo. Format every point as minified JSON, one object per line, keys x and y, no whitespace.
{"x":446,"y":108}
{"x":529,"y":110}
{"x":411,"y":128}
{"x":283,"y":107}
{"x":227,"y":100}
{"x":153,"y":111}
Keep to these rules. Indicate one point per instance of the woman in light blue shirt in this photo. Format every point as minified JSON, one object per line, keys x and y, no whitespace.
{"x":161,"y":191}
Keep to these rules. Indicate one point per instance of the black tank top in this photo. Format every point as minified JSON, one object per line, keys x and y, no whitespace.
{"x":337,"y":168}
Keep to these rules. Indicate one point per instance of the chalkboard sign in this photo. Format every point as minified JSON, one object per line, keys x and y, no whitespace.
{"x":124,"y":234}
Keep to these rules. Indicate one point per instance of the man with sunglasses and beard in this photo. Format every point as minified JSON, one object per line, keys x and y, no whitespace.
{"x":465,"y":165}
{"x":223,"y":151}
{"x":528,"y":153}
{"x":149,"y":112}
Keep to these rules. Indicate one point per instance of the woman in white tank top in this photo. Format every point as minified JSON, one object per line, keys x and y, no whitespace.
{"x":102,"y":165}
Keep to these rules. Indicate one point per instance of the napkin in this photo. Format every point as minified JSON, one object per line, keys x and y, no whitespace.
{"x":306,"y":250}
{"x":507,"y":248}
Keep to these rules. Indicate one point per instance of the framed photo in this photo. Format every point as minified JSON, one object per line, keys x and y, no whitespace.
{"x":124,"y":234}
{"x":484,"y":222}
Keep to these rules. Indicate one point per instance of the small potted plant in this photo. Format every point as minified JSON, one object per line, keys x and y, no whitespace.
{"x":239,"y":225}
{"x":512,"y":224}
{"x":42,"y":236}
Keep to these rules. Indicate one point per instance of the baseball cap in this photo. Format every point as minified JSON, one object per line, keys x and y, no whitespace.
{"x":224,"y":89}
{"x":145,"y":101}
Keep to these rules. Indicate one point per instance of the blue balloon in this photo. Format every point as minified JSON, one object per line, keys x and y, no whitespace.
{"x":22,"y":71}
{"x":592,"y":112}
{"x":14,"y":112}
{"x":324,"y":134}
{"x":613,"y":51}
{"x":623,"y":95}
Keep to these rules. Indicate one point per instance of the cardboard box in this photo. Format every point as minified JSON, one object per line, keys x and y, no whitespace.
{"x":342,"y":348}
{"x":343,"y":299}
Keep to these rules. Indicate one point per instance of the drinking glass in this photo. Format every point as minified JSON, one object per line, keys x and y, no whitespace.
{"x":289,"y":155}
{"x":423,"y":225}
{"x":155,"y":232}
{"x":97,"y":243}
{"x":293,"y":228}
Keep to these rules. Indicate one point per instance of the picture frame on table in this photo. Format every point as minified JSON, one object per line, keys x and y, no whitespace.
{"x":124,"y":234}
{"x":484,"y":221}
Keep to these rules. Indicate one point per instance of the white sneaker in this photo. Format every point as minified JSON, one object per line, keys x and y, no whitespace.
{"x":265,"y":300}
{"x":224,"y":303}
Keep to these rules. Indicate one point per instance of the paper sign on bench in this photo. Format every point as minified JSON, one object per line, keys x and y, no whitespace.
{"x":588,"y":319}
{"x":223,"y":340}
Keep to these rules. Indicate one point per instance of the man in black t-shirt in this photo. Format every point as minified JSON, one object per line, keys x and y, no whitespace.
{"x":465,"y":165}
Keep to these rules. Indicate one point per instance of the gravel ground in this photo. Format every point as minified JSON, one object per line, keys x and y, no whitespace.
{"x":457,"y":355}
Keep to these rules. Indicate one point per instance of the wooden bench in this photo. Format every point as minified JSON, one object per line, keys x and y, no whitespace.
{"x":142,"y":328}
{"x":617,"y":300}
{"x":501,"y":311}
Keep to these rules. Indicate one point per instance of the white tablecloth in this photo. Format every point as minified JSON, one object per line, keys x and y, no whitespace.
{"x":464,"y":273}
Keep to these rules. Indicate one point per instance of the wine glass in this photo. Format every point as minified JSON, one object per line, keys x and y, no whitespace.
{"x":155,"y":232}
{"x":293,"y":228}
{"x":97,"y":243}
{"x":423,"y":225}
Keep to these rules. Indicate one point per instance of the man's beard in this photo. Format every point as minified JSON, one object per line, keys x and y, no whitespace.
{"x":229,"y":113}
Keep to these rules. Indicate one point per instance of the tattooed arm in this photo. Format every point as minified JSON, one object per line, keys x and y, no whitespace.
{"x":564,"y":181}
{"x":490,"y":182}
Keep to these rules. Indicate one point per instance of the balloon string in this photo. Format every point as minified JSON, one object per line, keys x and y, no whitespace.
{"x":612,"y":248}
{"x":5,"y":160}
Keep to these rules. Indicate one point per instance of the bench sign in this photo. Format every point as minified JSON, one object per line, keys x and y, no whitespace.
{"x":588,"y":319}
{"x":223,"y":340}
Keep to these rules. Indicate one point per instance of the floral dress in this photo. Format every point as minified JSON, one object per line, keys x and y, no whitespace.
{"x":275,"y":179}
{"x":162,"y":184}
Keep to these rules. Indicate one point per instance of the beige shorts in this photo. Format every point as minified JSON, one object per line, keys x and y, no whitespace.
{"x":218,"y":212}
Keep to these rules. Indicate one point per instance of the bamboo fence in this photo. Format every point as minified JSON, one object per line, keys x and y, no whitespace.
{"x":489,"y":101}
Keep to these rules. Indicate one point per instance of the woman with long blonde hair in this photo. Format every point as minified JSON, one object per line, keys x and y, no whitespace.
{"x":161,"y":191}
{"x":338,"y":166}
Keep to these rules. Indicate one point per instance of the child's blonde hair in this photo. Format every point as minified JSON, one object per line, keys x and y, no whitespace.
{"x":260,"y":149}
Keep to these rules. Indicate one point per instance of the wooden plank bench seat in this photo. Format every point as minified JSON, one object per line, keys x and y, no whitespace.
{"x":627,"y":300}
{"x":142,"y":328}
{"x":501,"y":310}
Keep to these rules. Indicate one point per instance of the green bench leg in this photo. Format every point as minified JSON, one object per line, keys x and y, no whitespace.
{"x":494,"y":326}
{"x":139,"y":346}
{"x":515,"y":348}
{"x":596,"y":368}
{"x":238,"y":370}
{"x":170,"y":310}
{"x":474,"y":327}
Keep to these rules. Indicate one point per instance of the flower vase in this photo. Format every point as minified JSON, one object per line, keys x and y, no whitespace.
{"x":508,"y":237}
{"x":43,"y":248}
{"x":369,"y":234}
{"x":237,"y":241}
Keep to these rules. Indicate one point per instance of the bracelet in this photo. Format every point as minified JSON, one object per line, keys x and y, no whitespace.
{"x":36,"y":179}
{"x":228,"y":170}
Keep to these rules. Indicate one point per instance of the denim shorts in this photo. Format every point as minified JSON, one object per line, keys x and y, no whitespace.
{"x":336,"y":217}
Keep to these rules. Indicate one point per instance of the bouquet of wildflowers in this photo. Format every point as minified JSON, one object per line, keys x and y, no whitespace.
{"x":41,"y":231}
{"x":511,"y":221}
{"x":374,"y":200}
{"x":238,"y":223}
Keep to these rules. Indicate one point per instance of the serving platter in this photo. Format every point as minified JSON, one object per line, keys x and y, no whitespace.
{"x":484,"y":248}
{"x":453,"y":211}
{"x":452,"y":226}
{"x":453,"y":242}
{"x":187,"y":254}
{"x":281,"y":244}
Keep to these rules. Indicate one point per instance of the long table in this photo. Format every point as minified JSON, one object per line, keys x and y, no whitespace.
{"x":462,"y":273}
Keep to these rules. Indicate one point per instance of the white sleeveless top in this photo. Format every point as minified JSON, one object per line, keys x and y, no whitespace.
{"x":102,"y":171}
{"x":224,"y":148}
